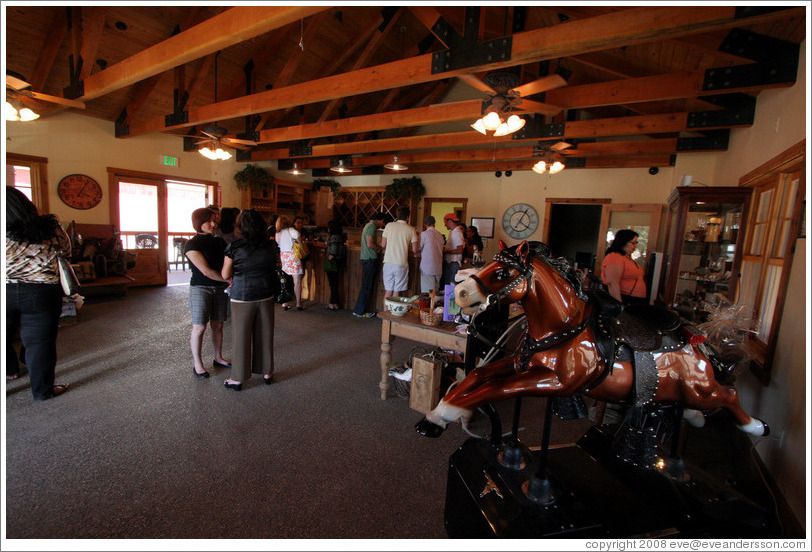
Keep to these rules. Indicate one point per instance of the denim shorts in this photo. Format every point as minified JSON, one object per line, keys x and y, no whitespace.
{"x":208,"y":303}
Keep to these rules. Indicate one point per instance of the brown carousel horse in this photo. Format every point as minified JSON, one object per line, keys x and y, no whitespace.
{"x":574,"y":344}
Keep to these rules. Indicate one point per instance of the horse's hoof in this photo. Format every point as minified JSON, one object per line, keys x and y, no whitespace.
{"x":428,"y":429}
{"x":756,"y":427}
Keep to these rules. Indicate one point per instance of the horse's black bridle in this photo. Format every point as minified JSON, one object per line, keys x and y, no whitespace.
{"x":525,"y":273}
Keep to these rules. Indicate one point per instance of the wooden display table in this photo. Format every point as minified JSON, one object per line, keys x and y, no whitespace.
{"x":410,"y":327}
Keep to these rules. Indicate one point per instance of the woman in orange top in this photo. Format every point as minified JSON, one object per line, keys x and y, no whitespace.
{"x":620,"y":273}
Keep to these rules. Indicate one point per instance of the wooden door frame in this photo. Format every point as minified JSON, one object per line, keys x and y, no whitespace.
{"x":116,"y":175}
{"x":428,"y":201}
{"x":656,"y":211}
{"x":39,"y":177}
{"x":548,"y":209}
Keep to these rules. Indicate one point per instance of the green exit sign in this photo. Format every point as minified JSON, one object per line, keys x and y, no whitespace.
{"x":169,"y":161}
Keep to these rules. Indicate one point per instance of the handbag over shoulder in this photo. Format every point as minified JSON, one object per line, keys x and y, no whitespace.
{"x":67,"y":277}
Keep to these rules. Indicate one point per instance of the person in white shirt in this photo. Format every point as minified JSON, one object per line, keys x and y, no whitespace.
{"x":453,"y":248}
{"x":285,"y":235}
{"x":397,"y":238}
{"x":431,"y":256}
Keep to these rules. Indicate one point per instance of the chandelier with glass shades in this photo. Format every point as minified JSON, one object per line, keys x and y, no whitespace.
{"x":16,"y":111}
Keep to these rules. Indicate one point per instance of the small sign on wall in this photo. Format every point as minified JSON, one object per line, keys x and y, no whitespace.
{"x":169,"y":161}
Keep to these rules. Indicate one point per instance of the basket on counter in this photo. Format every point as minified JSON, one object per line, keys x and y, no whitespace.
{"x":430,"y":318}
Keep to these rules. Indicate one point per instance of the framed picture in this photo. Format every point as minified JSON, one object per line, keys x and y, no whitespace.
{"x":484,"y":225}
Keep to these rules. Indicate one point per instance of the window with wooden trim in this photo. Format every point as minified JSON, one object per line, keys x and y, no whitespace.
{"x":779,"y":189}
{"x":29,"y":174}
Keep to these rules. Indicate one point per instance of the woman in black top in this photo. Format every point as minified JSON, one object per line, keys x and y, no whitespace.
{"x":332,"y":260}
{"x":251,"y":263}
{"x":208,"y":300}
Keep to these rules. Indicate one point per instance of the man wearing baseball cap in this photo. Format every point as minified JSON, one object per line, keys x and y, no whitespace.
{"x":453,"y":248}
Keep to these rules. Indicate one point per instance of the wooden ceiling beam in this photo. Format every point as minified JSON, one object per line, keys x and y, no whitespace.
{"x":230,"y":27}
{"x":595,"y":128}
{"x":632,"y":26}
{"x":92,"y":28}
{"x":418,"y":116}
{"x":643,"y":89}
{"x":50,"y":48}
{"x":521,"y":165}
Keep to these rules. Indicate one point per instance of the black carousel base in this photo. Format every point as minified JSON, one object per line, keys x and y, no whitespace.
{"x":590,"y":493}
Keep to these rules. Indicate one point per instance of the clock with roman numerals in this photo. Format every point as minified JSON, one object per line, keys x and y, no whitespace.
{"x":79,"y":191}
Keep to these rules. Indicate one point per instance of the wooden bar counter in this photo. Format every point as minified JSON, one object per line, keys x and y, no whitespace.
{"x":315,"y":287}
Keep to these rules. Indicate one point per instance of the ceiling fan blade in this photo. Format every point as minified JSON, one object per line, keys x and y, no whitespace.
{"x":541,"y":85}
{"x":211,"y":136}
{"x":237,"y":146}
{"x":238,"y":141}
{"x":15,"y":83}
{"x":560,"y":146}
{"x":473,"y":80}
{"x":538,"y":107}
{"x":55,"y":99}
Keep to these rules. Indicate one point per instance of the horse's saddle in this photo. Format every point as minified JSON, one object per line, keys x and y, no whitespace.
{"x":635,"y":332}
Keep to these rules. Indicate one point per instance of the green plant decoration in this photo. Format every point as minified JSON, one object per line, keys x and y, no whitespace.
{"x":326,"y":183}
{"x":411,"y":187}
{"x":254,"y":178}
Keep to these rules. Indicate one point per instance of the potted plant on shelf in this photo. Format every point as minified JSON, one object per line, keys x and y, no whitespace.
{"x":411,"y":188}
{"x":254,"y":178}
{"x":320,"y":183}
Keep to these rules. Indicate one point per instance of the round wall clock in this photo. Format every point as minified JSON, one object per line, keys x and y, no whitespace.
{"x":520,"y":221}
{"x":79,"y":191}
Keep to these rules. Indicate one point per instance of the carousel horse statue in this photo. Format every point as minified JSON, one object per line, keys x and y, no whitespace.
{"x":583,"y":343}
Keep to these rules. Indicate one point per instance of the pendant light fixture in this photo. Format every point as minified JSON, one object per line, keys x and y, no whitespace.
{"x":395,"y":166}
{"x":295,"y":170}
{"x":340,"y":168}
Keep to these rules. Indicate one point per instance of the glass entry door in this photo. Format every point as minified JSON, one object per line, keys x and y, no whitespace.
{"x":142,"y":222}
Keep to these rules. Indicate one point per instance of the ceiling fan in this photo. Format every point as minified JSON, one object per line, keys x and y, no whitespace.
{"x":213,"y":136}
{"x":19,"y":97}
{"x":504,"y":93}
{"x":550,"y":157}
{"x":216,"y":136}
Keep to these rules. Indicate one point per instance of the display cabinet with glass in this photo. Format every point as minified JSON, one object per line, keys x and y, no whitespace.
{"x":704,"y":241}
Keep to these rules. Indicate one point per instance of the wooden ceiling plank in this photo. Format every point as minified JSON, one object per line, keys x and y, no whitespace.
{"x":428,"y":16}
{"x":230,"y":27}
{"x":141,"y":91}
{"x":635,"y":25}
{"x":644,"y":89}
{"x":327,"y":70}
{"x":260,"y":58}
{"x":92,"y":28}
{"x":50,"y":48}
{"x":371,"y":47}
